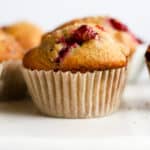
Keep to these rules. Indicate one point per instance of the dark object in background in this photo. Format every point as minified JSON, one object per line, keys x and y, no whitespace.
{"x":12,"y":84}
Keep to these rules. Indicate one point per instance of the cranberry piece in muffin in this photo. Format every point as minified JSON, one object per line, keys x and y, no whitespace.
{"x":137,"y":39}
{"x":118,"y":25}
{"x":122,"y":27}
{"x":84,"y":33}
{"x":63,"y":52}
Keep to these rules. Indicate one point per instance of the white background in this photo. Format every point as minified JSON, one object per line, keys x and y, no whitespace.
{"x":49,"y":13}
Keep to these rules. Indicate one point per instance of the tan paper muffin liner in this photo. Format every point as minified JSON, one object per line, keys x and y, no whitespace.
{"x":76,"y":95}
{"x":12,"y":84}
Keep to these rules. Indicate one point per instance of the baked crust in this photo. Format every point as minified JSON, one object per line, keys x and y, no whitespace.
{"x":99,"y":53}
{"x":122,"y":35}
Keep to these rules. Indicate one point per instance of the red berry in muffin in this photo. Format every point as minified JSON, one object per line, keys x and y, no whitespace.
{"x":118,"y":25}
{"x":84,"y":33}
{"x":122,"y":27}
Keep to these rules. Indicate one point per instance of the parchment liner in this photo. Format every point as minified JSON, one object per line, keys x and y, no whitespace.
{"x":12,"y":83}
{"x":76,"y":95}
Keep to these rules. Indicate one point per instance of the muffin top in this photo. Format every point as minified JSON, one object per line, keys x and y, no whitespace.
{"x":27,"y":34}
{"x":147,"y":54}
{"x":9,"y":48}
{"x":116,"y":28}
{"x":77,"y":47}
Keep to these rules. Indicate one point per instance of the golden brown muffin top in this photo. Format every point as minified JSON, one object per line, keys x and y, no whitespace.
{"x":77,"y":47}
{"x":27,"y":34}
{"x":116,"y":28}
{"x":9,"y":48}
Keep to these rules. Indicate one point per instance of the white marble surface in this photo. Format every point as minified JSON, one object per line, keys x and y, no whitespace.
{"x":21,"y":119}
{"x":22,"y":127}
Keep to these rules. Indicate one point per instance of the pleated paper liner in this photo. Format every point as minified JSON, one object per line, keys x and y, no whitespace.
{"x":12,"y":84}
{"x":76,"y":95}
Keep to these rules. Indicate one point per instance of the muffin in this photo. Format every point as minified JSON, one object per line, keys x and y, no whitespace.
{"x":27,"y":34}
{"x":15,"y":41}
{"x":9,"y":47}
{"x":5,"y":42}
{"x":78,"y":71}
{"x":10,"y":54}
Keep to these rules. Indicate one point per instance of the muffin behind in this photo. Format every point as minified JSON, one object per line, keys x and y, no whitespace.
{"x":10,"y":77}
{"x":15,"y":41}
{"x":26,"y":33}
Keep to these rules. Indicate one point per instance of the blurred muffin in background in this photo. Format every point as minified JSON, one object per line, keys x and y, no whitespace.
{"x":27,"y":34}
{"x":11,"y":52}
{"x":15,"y":41}
{"x":9,"y":47}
